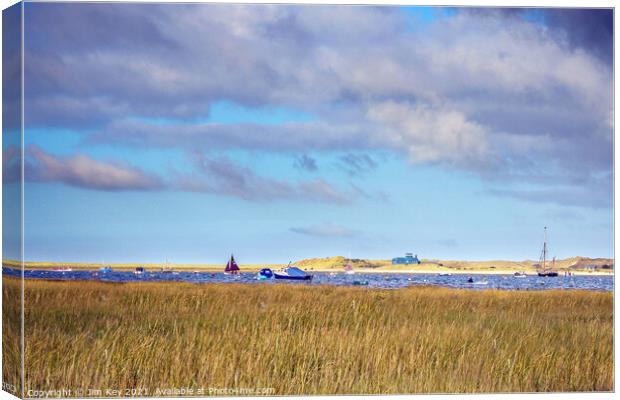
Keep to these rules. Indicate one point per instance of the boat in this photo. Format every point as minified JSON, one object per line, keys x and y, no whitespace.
{"x":445,"y":274}
{"x":480,"y":282}
{"x":62,"y":269}
{"x":105,"y":269}
{"x":519,"y":274}
{"x":264,"y":273}
{"x":348,"y":269}
{"x":292,"y":273}
{"x":139,"y":271}
{"x":231,"y":267}
{"x":166,"y":269}
{"x":544,"y":272}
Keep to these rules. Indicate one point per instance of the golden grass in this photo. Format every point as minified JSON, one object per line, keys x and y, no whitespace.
{"x":11,"y":334}
{"x":314,"y":340}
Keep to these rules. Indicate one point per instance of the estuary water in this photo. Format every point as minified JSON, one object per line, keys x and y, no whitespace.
{"x":373,"y":280}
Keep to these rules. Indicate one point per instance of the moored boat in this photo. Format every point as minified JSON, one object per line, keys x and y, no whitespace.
{"x":167,"y":269}
{"x":544,"y":272}
{"x":139,"y":271}
{"x":264,"y":273}
{"x":231,"y":267}
{"x":105,"y":269}
{"x":348,"y":269}
{"x":62,"y":269}
{"x":292,"y":273}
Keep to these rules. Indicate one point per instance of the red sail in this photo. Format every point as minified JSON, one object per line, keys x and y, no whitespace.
{"x":232,"y":266}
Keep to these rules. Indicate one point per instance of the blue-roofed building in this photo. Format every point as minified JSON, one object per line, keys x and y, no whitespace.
{"x":409,"y":258}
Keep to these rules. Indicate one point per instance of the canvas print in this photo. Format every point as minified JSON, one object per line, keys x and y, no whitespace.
{"x":298,"y":199}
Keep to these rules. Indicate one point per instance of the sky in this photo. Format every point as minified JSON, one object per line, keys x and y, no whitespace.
{"x":281,"y":132}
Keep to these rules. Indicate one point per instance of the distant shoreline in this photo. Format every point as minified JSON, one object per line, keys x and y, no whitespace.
{"x":254,"y":269}
{"x":575,"y":265}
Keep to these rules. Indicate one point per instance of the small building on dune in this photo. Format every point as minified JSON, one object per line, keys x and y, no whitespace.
{"x":409,"y":258}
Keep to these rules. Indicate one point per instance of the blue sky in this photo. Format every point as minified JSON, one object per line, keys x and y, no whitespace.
{"x":158,"y":132}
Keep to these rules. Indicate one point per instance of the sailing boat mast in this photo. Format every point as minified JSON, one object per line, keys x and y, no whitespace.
{"x":545,"y":250}
{"x":544,"y":271}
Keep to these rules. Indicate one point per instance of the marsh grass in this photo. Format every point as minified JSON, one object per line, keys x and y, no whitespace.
{"x":315,"y":340}
{"x":11,"y":336}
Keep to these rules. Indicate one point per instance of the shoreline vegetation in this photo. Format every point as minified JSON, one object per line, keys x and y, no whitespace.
{"x":574,"y":265}
{"x":311,"y":340}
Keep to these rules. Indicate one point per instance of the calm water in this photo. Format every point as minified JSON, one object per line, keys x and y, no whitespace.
{"x":505,"y":282}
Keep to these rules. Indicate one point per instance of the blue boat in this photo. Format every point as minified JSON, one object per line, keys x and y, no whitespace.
{"x":265,"y":273}
{"x":292,"y":273}
{"x":105,"y":269}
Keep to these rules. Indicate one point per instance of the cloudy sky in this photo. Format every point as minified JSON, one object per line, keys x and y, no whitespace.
{"x":283,"y":132}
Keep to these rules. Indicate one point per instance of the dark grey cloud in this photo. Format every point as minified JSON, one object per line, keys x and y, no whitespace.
{"x":84,"y":172}
{"x":488,"y":92}
{"x":306,"y":163}
{"x":591,"y":30}
{"x":588,"y":29}
{"x":221,"y":176}
{"x":357,"y":164}
{"x":329,"y":230}
{"x":11,"y":69}
{"x":218,"y":175}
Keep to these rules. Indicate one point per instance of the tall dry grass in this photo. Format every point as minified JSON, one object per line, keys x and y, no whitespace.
{"x":310,"y":340}
{"x":11,"y":336}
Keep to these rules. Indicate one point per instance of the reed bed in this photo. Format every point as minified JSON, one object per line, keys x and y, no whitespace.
{"x":11,"y":335}
{"x":314,"y":340}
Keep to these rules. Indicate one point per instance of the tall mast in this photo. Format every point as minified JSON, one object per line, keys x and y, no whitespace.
{"x":545,"y":250}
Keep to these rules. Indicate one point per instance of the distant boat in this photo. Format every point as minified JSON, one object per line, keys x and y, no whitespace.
{"x":520,"y":275}
{"x":348,"y":269}
{"x":166,"y":269}
{"x":105,"y":269}
{"x":264,"y":273}
{"x":445,"y":274}
{"x":62,"y":269}
{"x":231,"y":267}
{"x":292,"y":273}
{"x":544,"y":272}
{"x":139,"y":270}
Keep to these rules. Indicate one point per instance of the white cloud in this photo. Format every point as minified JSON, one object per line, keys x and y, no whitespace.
{"x":476,"y":91}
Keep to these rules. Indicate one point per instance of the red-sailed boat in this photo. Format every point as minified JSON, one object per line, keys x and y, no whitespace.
{"x":231,"y":267}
